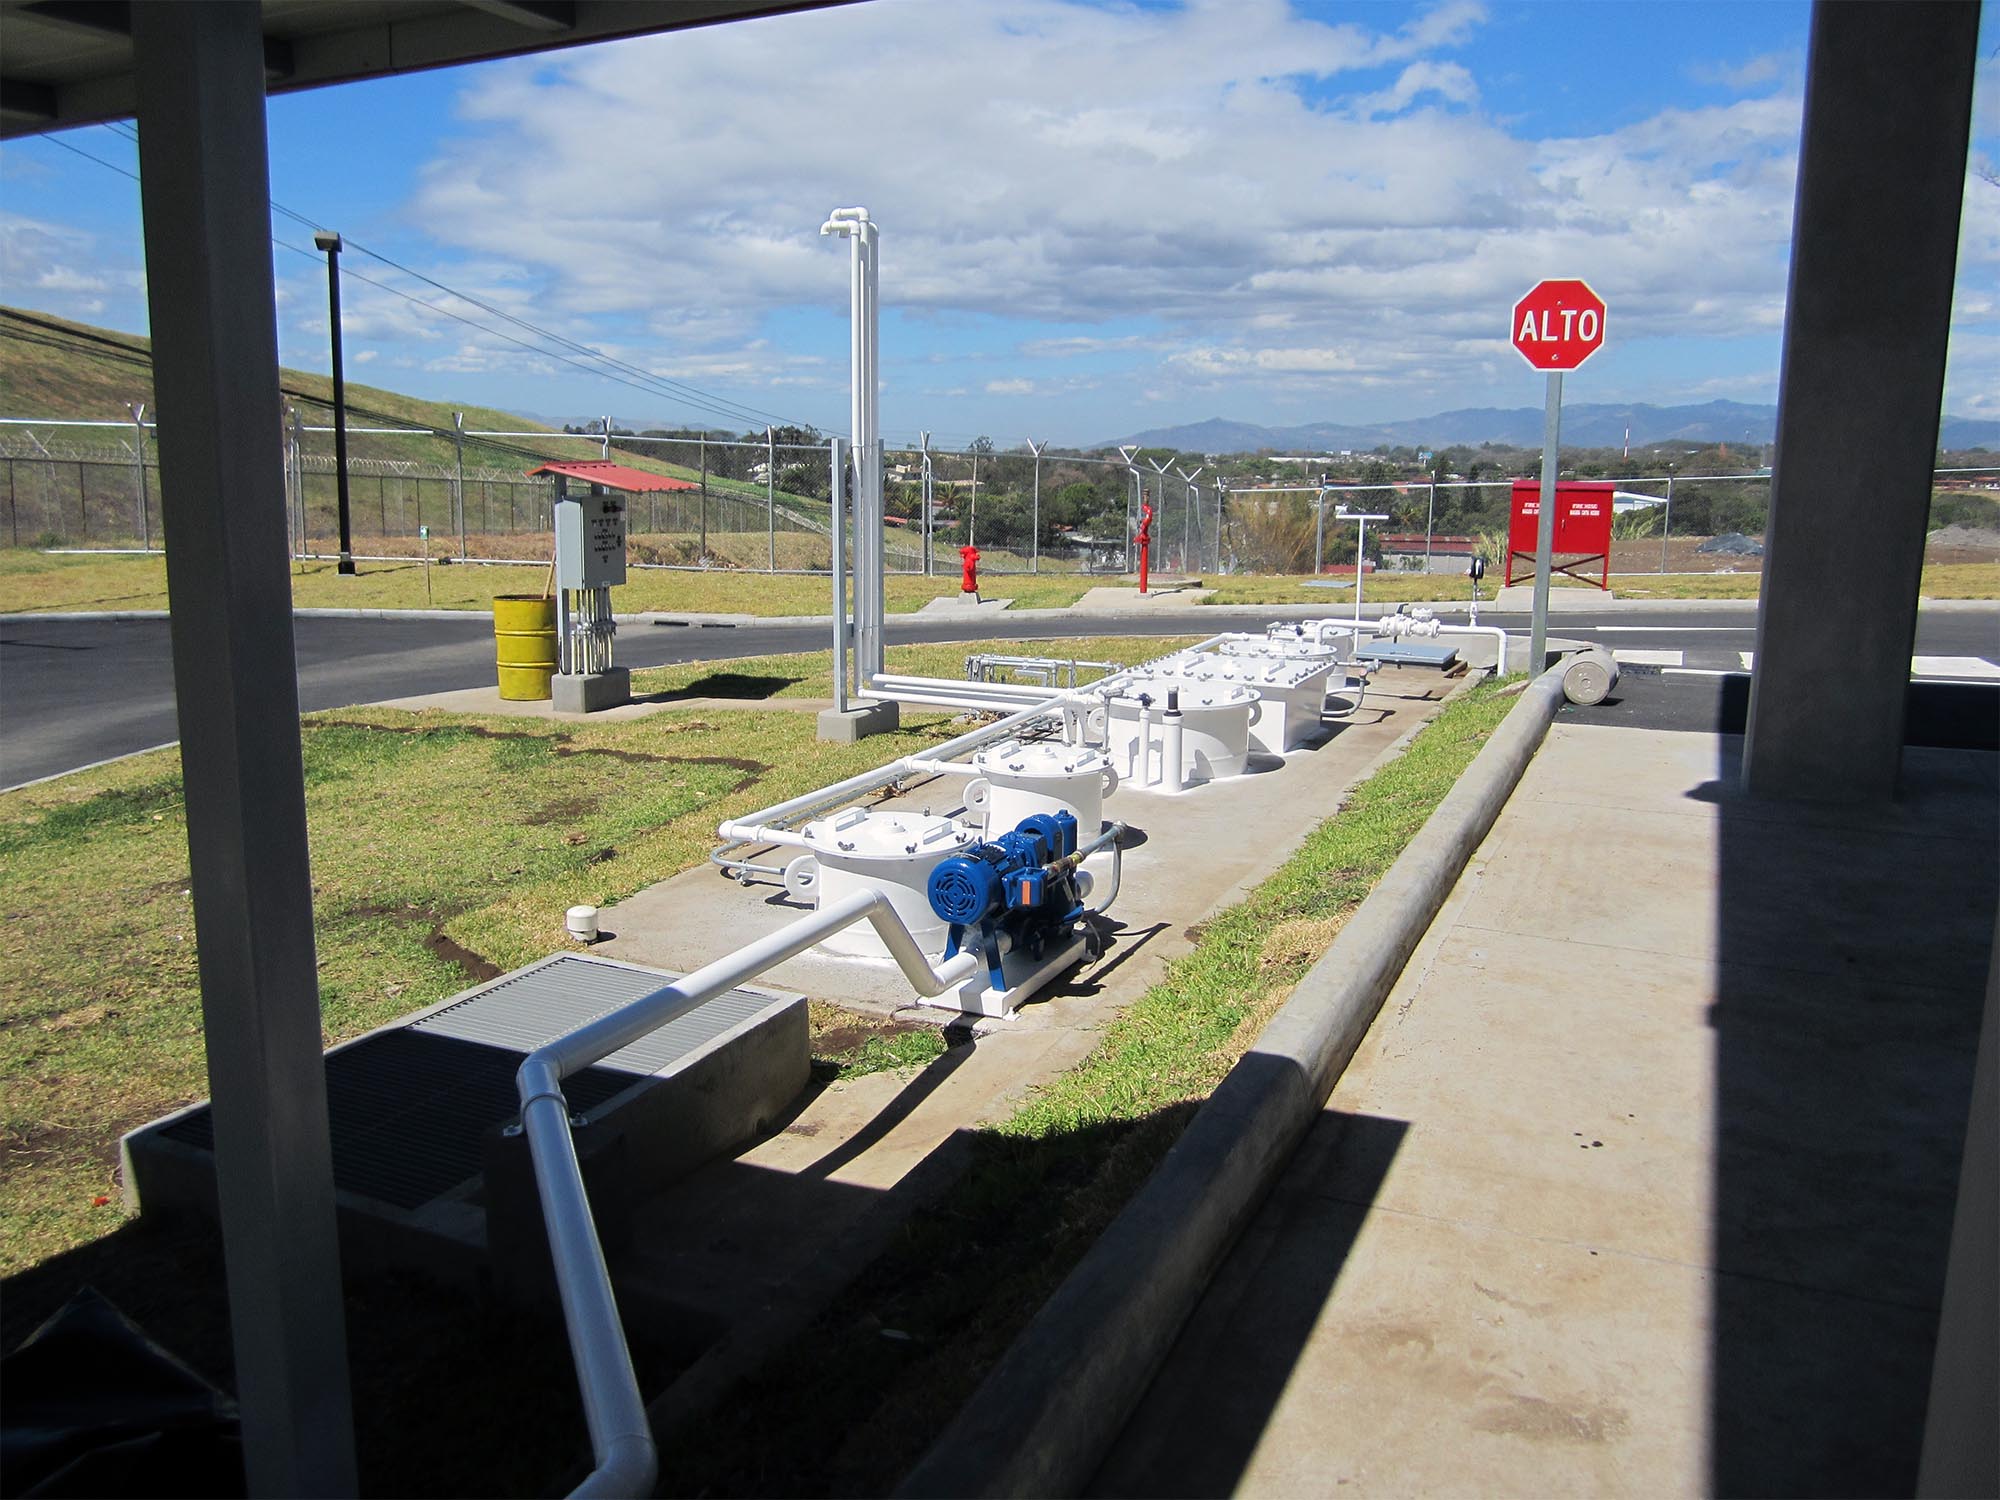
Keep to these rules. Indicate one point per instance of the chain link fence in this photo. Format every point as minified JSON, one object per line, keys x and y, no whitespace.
{"x":766,"y":506}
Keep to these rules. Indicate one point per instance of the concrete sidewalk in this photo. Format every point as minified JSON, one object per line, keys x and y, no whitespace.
{"x":1642,"y":1181}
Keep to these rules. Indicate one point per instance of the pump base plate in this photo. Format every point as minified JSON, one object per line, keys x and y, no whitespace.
{"x":1024,"y":976}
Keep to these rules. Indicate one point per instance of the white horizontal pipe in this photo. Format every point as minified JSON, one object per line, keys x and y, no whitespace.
{"x":941,"y":767}
{"x":939,"y":700}
{"x":1039,"y":692}
{"x":621,"y":1437}
{"x":1499,"y":642}
{"x":752,"y":827}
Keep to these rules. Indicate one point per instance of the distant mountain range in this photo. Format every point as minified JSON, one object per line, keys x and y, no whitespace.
{"x":1583,"y":426}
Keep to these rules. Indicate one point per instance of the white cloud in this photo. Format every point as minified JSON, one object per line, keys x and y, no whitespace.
{"x":1081,"y":344}
{"x":64,"y":266}
{"x":1168,"y":166}
{"x":1448,"y":81}
{"x":1748,"y":74}
{"x":1010,"y":387}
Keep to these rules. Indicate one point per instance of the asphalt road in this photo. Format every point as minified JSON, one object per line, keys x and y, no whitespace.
{"x":74,"y":692}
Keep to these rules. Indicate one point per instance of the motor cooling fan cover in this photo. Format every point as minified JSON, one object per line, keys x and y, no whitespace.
{"x":963,"y":890}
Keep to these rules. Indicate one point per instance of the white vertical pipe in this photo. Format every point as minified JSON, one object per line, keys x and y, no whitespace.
{"x":1360,"y":558}
{"x":838,"y":493}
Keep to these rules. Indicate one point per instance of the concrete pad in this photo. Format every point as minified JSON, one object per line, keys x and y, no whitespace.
{"x":1105,"y":600}
{"x":1954,"y":666}
{"x":1449,"y":1359}
{"x":1521,"y":596}
{"x":487,"y":701}
{"x":1659,"y":1128}
{"x":961,"y":604}
{"x":1635,"y":657}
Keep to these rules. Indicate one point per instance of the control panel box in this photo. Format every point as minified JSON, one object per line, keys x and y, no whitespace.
{"x":590,"y":541}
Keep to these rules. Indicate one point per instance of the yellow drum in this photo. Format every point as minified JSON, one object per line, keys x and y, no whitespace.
{"x":524,"y":634}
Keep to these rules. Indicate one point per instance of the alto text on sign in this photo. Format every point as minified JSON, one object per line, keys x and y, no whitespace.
{"x":1559,"y":324}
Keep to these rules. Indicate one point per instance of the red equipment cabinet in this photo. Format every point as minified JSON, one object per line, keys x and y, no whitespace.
{"x":1583,"y":528}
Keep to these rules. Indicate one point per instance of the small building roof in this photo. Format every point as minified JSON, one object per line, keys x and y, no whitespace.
{"x":615,"y":476}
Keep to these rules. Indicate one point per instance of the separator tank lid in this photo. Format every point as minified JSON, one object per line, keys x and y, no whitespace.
{"x":1194,"y":694}
{"x":863,"y":833}
{"x":1040,"y":760}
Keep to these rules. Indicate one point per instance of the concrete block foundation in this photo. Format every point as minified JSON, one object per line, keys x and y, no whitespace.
{"x":587,"y":693}
{"x":844,"y":726}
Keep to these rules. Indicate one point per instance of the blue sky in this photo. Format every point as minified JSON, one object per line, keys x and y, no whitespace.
{"x":1096,"y":218}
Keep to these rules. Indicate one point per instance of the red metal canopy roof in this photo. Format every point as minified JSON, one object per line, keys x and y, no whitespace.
{"x":617,"y":476}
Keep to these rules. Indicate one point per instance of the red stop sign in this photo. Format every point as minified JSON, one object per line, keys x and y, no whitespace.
{"x":1559,"y":325}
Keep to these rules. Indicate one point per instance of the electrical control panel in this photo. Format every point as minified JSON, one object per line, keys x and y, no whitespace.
{"x":590,"y":541}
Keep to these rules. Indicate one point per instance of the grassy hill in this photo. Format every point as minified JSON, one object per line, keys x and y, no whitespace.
{"x":55,"y":368}
{"x":52,"y":367}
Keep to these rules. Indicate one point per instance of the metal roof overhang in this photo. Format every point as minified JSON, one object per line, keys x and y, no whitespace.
{"x":69,"y":62}
{"x":615,"y":476}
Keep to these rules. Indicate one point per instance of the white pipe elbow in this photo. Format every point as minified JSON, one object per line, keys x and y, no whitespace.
{"x":627,"y":1468}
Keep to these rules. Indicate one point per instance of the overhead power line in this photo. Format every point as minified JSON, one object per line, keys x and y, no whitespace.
{"x":605,"y":366}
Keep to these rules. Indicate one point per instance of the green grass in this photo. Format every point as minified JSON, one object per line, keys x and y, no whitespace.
{"x":438,"y":841}
{"x":35,"y":581}
{"x":972,"y":1268}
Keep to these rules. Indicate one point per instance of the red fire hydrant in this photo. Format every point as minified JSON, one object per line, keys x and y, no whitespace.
{"x":1145,"y":540}
{"x":968,"y":582}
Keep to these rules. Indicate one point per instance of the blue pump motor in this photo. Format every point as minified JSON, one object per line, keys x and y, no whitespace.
{"x":1013,"y":887}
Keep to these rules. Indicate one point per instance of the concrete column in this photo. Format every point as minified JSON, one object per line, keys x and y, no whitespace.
{"x":1874,"y":243}
{"x":206,"y":195}
{"x":1961,"y":1453}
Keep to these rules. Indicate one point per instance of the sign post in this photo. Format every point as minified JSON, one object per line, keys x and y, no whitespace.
{"x":1557,"y":326}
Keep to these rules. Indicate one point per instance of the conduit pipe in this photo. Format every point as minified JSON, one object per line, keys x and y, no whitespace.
{"x":620,"y":1436}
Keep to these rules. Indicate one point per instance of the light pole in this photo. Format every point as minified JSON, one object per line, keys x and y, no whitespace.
{"x":1160,"y":468}
{"x":1319,"y":526}
{"x":330,"y":243}
{"x":1035,"y":533}
{"x":1187,"y":531}
{"x":1132,"y":505}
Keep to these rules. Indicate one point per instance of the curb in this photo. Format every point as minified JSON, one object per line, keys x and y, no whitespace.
{"x":1046,"y":1414}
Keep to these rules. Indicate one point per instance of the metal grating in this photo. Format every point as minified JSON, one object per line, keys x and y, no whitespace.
{"x":409,"y":1108}
{"x":534,"y":1006}
{"x":1407,"y":653}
